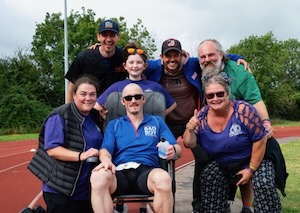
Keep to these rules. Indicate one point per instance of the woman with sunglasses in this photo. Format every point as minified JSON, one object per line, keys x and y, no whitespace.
{"x":233,"y":135}
{"x":135,"y":63}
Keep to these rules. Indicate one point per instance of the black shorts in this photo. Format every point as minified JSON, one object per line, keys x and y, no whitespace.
{"x":58,"y":203}
{"x":133,"y":181}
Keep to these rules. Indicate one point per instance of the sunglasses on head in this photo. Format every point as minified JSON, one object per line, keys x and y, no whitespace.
{"x":136,"y":97}
{"x":212,"y":95}
{"x":133,"y":50}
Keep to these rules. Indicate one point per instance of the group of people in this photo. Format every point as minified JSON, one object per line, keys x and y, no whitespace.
{"x":228,"y":137}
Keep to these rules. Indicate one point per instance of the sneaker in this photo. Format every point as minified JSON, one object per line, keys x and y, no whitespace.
{"x":125,"y":209}
{"x":246,"y":210}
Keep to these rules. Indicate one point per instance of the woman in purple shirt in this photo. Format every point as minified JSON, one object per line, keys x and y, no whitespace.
{"x":233,"y":135}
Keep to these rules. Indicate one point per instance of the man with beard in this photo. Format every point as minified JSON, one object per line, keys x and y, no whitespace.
{"x":243,"y":87}
{"x":181,"y":77}
{"x":104,"y":61}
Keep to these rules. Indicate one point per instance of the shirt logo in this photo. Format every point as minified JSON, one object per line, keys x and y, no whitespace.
{"x":150,"y":131}
{"x":194,"y":76}
{"x":235,"y":130}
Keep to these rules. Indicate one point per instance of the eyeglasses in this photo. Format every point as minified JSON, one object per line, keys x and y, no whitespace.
{"x":133,"y":50}
{"x":212,"y":95}
{"x":136,"y":97}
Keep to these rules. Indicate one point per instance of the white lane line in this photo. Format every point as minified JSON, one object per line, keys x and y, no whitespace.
{"x":9,"y":168}
{"x":18,"y":153}
{"x":184,"y":165}
{"x":33,"y":202}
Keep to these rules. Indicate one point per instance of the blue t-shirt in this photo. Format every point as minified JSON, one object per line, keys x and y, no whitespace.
{"x":146,"y":85}
{"x":127,"y":144}
{"x":235,"y":142}
{"x":54,"y":137}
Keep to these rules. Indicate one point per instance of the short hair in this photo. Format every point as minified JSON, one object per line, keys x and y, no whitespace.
{"x":86,"y":79}
{"x":222,"y":78}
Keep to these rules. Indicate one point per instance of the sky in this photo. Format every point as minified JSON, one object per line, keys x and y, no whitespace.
{"x":189,"y":21}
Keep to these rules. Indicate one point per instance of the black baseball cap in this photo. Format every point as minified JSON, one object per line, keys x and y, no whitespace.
{"x":170,"y":44}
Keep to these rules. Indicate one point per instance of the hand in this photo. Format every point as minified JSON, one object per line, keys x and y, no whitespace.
{"x":103,"y":111}
{"x":246,"y":177}
{"x":269,"y":128}
{"x":246,"y":65}
{"x":170,"y":153}
{"x":107,"y":165}
{"x":89,"y":153}
{"x":94,"y":46}
{"x":193,"y":122}
{"x":185,"y":57}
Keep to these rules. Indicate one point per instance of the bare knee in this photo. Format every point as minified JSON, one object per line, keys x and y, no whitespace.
{"x":160,"y":180}
{"x":101,"y":179}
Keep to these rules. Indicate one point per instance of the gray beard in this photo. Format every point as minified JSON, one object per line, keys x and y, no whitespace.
{"x":210,"y":71}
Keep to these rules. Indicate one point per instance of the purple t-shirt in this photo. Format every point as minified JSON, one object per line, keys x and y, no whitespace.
{"x":235,"y":142}
{"x":146,"y":85}
{"x":54,"y":137}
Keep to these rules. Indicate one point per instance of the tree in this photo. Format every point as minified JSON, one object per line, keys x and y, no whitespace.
{"x":22,"y":96}
{"x":275,"y":66}
{"x":48,"y":45}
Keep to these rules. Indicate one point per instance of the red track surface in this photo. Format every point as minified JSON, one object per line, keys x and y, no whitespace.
{"x":18,"y":187}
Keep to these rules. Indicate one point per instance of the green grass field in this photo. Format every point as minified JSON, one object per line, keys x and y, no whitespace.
{"x":291,"y":203}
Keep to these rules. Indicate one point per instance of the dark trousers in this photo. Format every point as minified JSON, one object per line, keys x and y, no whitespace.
{"x":58,"y":203}
{"x":201,"y":160}
{"x":176,"y":129}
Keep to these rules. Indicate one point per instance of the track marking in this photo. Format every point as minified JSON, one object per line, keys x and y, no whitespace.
{"x":21,"y":164}
{"x":37,"y":197}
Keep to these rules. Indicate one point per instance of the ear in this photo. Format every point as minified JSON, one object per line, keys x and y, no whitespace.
{"x":122,"y":101}
{"x":144,"y":99}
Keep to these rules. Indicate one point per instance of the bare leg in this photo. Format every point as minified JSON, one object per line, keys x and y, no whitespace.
{"x":103,"y":183}
{"x":160,"y":183}
{"x":247,"y":195}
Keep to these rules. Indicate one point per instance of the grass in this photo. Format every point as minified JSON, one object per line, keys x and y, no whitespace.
{"x":291,"y":203}
{"x":278,"y":122}
{"x":18,"y":137}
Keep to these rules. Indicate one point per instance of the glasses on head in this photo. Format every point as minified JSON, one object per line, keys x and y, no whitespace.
{"x":133,"y":50}
{"x":136,"y":97}
{"x":212,"y":95}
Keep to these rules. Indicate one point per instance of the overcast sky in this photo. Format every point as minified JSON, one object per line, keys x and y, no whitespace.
{"x":189,"y":21}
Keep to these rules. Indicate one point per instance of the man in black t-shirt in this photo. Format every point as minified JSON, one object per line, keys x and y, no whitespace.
{"x":104,"y":62}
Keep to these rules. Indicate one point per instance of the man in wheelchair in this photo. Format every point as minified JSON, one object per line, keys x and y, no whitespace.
{"x":129,"y":157}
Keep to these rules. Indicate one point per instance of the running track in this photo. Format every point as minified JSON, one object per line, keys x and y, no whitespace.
{"x":18,"y":187}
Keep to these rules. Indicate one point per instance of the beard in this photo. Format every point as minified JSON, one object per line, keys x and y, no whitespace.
{"x":211,"y":68}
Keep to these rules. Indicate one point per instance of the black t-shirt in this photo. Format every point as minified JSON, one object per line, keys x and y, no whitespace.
{"x":106,"y":70}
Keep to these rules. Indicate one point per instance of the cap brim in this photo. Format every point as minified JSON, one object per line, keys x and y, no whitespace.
{"x":171,"y":48}
{"x":115,"y":31}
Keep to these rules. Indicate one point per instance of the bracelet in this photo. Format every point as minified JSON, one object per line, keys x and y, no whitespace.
{"x":174,"y":149}
{"x":252,"y":167}
{"x":251,"y":170}
{"x":267,"y":121}
{"x":79,"y":156}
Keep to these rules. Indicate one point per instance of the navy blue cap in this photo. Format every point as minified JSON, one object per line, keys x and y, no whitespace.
{"x":109,"y":25}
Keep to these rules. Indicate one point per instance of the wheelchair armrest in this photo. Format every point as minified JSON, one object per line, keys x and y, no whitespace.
{"x":93,"y":159}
